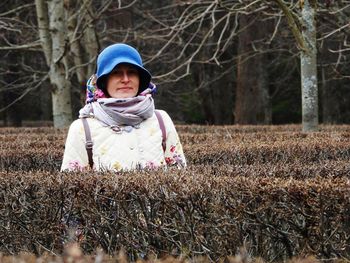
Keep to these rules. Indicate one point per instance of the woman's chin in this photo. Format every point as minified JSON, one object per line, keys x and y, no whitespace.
{"x":122,"y":94}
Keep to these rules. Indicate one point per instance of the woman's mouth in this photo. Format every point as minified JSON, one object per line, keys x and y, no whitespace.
{"x":124,"y":88}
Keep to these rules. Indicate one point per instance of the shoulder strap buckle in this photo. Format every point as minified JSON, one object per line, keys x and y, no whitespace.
{"x":88,"y":145}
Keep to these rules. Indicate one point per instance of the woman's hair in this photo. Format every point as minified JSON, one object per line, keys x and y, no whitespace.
{"x":102,"y":85}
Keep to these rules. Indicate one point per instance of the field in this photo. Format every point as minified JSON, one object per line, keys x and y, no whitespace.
{"x":271,"y":191}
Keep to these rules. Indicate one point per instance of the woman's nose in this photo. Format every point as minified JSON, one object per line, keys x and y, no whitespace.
{"x":125,"y":76}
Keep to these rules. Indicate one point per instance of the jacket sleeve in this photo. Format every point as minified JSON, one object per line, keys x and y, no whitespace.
{"x":75,"y":156}
{"x":174,"y":154}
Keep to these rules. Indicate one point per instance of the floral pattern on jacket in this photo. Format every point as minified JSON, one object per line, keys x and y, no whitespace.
{"x":175,"y":157}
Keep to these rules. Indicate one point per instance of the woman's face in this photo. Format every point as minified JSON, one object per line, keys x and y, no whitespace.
{"x":123,"y":82}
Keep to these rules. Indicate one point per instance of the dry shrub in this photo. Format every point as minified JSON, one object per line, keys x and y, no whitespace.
{"x":42,"y":148}
{"x":276,"y":191}
{"x":184,"y":212}
{"x":197,"y":129}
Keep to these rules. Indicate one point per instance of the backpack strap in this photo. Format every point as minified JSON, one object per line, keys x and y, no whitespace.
{"x":88,"y":141}
{"x":162,"y":127}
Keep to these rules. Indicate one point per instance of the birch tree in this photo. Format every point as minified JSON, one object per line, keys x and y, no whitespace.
{"x":304,"y":31}
{"x":52,"y":31}
{"x":308,"y":68}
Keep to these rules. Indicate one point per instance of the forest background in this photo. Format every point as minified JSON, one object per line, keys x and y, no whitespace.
{"x":214,"y":62}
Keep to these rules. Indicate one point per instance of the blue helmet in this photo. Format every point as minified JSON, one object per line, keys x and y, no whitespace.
{"x":116,"y":54}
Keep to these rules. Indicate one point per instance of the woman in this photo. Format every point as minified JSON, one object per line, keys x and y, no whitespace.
{"x":119,"y":129}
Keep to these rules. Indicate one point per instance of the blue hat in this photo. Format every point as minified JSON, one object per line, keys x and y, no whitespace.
{"x":116,"y":54}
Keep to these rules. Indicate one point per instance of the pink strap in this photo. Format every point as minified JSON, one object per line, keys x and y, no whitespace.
{"x":162,"y":127}
{"x":88,"y":143}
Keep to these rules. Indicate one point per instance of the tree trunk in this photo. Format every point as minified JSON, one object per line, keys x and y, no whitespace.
{"x":61,"y":97}
{"x":308,"y":69}
{"x":53,"y":17}
{"x":61,"y":93}
{"x":44,"y":32}
{"x":252,"y":103}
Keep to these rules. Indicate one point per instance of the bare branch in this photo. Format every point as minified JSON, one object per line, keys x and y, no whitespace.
{"x":15,"y":10}
{"x":35,"y":44}
{"x":29,"y":89}
{"x":292,"y":24}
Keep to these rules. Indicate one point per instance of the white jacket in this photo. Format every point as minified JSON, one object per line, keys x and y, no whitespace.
{"x":139,"y":148}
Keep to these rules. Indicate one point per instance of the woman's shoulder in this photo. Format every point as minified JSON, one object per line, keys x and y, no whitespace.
{"x":75,"y":124}
{"x":163,"y":114}
{"x":78,"y":124}
{"x":166,"y":118}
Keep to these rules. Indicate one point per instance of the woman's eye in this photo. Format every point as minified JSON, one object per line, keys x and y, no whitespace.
{"x":133,"y":72}
{"x":116,"y":72}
